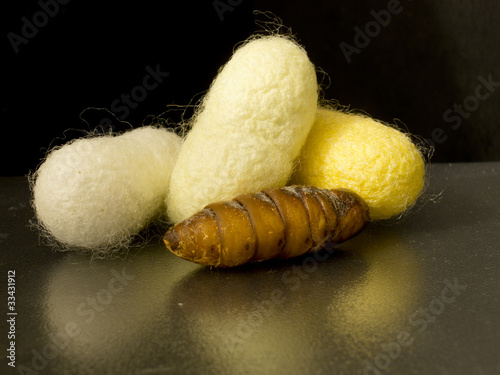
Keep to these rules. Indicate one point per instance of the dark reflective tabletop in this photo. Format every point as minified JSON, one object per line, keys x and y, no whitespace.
{"x":415,"y":296}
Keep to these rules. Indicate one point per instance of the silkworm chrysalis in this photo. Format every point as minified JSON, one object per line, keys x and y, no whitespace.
{"x":274,"y":223}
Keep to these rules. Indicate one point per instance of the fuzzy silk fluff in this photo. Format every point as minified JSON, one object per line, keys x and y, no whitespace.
{"x":376,"y":161}
{"x":249,"y":129}
{"x":97,"y":193}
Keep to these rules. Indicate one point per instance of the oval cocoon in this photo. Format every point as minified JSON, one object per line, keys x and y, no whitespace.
{"x":356,"y":152}
{"x":249,"y":129}
{"x":97,"y":193}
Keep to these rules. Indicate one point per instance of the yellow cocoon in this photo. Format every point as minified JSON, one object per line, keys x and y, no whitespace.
{"x":97,"y":193}
{"x":249,"y":129}
{"x":356,"y":152}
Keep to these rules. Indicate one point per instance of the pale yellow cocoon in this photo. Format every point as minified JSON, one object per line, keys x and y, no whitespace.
{"x":356,"y":152}
{"x":250,"y":128}
{"x":97,"y":193}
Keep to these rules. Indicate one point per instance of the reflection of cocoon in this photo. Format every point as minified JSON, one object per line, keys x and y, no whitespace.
{"x":355,"y":152}
{"x":89,"y":308}
{"x":375,"y":308}
{"x":251,"y":126}
{"x":97,"y":193}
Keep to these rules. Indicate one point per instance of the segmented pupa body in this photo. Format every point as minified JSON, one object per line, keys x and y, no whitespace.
{"x":274,"y":223}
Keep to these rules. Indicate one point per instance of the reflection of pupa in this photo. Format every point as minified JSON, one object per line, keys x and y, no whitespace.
{"x":249,"y":129}
{"x":97,"y":193}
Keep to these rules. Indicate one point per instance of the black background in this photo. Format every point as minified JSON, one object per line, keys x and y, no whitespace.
{"x":430,"y":57}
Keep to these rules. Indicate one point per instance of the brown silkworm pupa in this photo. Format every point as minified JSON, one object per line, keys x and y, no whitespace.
{"x":274,"y":223}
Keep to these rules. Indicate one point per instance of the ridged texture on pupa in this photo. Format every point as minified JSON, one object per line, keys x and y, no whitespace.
{"x":275,"y":223}
{"x":250,"y":127}
{"x":355,"y":152}
{"x":97,"y":193}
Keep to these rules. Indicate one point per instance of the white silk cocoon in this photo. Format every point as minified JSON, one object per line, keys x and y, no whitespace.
{"x":97,"y":193}
{"x":249,"y":129}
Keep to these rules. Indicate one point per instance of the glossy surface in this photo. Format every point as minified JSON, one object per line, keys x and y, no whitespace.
{"x":416,"y":296}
